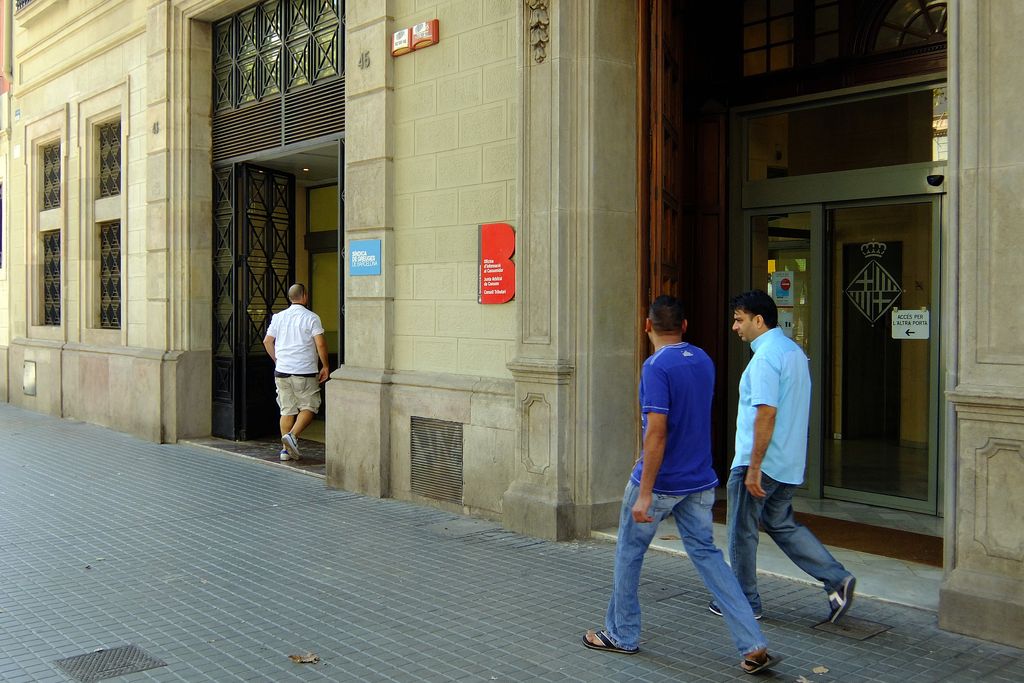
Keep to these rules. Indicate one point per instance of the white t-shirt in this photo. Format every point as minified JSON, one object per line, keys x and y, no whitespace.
{"x":293,"y":330}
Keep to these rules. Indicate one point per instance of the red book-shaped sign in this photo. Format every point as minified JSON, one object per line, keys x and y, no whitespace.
{"x":497,"y":271}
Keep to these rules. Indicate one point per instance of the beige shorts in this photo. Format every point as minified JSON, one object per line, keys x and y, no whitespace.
{"x":295,"y":394}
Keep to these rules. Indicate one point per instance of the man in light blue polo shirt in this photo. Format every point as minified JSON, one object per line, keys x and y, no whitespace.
{"x":771,"y":452}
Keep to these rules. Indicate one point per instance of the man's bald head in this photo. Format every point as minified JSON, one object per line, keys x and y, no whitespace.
{"x":296,"y":293}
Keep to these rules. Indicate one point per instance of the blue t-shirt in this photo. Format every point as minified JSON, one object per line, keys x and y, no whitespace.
{"x":778,"y":375}
{"x":679,"y":381}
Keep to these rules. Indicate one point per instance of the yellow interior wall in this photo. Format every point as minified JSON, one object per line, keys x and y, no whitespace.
{"x":323,"y":280}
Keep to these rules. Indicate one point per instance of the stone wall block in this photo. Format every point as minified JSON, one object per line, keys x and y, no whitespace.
{"x":486,"y":124}
{"x":435,"y":354}
{"x":364,"y":114}
{"x":487,"y":466}
{"x":458,"y":17}
{"x":414,"y":246}
{"x":459,"y":168}
{"x":483,"y":204}
{"x":438,"y":60}
{"x":437,"y":134}
{"x":483,"y":357}
{"x":368,"y":333}
{"x":157,"y":171}
{"x":404,"y":208}
{"x":416,"y":174}
{"x":500,"y":81}
{"x":367,"y":188}
{"x":459,"y":92}
{"x":614,"y":126}
{"x":435,"y":281}
{"x":433,"y":209}
{"x":416,"y":102}
{"x":498,"y":321}
{"x":483,"y":46}
{"x":403,"y":281}
{"x":404,"y":140}
{"x":458,"y":319}
{"x":359,"y":12}
{"x":457,"y":244}
{"x":373,"y":41}
{"x":415,"y":317}
{"x":358,"y":443}
{"x":499,"y":162}
{"x":468,"y":281}
{"x":498,"y":10}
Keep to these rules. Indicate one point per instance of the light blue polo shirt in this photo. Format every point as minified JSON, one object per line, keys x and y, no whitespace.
{"x":778,"y":375}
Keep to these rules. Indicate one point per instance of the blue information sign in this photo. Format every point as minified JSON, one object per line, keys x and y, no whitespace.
{"x":364,"y":257}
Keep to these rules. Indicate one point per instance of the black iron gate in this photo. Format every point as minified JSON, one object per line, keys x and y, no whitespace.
{"x":253,"y":266}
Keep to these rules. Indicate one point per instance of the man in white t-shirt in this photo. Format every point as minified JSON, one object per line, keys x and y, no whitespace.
{"x":295,"y":338}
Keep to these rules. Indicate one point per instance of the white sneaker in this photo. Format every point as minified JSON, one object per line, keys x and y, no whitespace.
{"x":284,"y":454}
{"x":291,"y":444}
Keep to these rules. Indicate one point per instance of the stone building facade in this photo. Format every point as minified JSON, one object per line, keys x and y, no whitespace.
{"x":122,"y":168}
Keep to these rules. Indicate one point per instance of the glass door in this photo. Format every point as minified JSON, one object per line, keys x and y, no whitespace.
{"x":784,"y":246}
{"x":880,"y":416}
{"x":856,"y":288}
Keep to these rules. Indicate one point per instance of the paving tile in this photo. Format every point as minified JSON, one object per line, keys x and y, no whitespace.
{"x":222,"y":566}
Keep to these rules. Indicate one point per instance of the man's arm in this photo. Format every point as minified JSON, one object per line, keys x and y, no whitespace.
{"x":321,"y":350}
{"x":654,"y":452}
{"x":268,"y":344}
{"x":764,"y":427}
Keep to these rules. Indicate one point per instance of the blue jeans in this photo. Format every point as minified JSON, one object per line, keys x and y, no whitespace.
{"x":775,"y":514}
{"x":693,"y":518}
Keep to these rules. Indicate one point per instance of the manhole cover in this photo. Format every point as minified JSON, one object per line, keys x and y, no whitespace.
{"x":104,"y":664}
{"x":852,"y":627}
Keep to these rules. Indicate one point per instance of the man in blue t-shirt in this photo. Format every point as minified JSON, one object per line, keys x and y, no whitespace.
{"x":673,"y":476}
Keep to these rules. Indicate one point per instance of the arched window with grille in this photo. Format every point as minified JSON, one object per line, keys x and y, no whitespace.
{"x":911,"y":23}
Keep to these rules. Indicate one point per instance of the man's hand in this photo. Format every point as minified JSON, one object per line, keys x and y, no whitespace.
{"x":753,"y":482}
{"x":640,"y":508}
{"x":324,"y":374}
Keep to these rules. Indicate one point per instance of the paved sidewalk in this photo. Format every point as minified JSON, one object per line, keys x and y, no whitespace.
{"x":222,"y":566}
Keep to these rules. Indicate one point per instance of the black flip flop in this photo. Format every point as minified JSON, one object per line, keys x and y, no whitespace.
{"x":752,"y":666}
{"x":606,"y":644}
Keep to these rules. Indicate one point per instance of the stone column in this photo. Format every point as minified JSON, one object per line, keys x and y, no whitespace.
{"x":983,"y":591}
{"x":573,"y":369}
{"x":358,"y":442}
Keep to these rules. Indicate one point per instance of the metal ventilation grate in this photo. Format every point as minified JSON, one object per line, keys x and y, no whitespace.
{"x":245,"y":130}
{"x":104,"y":664}
{"x":436,"y":459}
{"x":313,"y":112}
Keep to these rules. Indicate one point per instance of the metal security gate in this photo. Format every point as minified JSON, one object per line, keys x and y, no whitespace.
{"x":254,"y":243}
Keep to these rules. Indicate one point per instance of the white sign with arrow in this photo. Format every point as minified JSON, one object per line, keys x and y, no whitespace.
{"x":908,"y":324}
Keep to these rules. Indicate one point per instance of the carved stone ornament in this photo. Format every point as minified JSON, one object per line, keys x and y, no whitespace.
{"x":538,"y":28}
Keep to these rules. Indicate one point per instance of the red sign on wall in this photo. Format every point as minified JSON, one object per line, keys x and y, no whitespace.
{"x":497,"y":271}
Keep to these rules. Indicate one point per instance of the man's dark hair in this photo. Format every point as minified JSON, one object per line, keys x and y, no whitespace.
{"x":756,"y":302}
{"x":666,"y":314}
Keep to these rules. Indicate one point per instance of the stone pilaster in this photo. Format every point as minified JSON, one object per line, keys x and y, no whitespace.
{"x":576,"y":254}
{"x":358,"y":395}
{"x":983,"y":591}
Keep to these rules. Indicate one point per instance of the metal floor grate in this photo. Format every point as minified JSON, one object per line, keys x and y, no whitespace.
{"x":852,"y":627}
{"x":104,"y":664}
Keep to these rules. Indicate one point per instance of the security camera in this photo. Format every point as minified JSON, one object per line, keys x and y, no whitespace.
{"x":935,"y":180}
